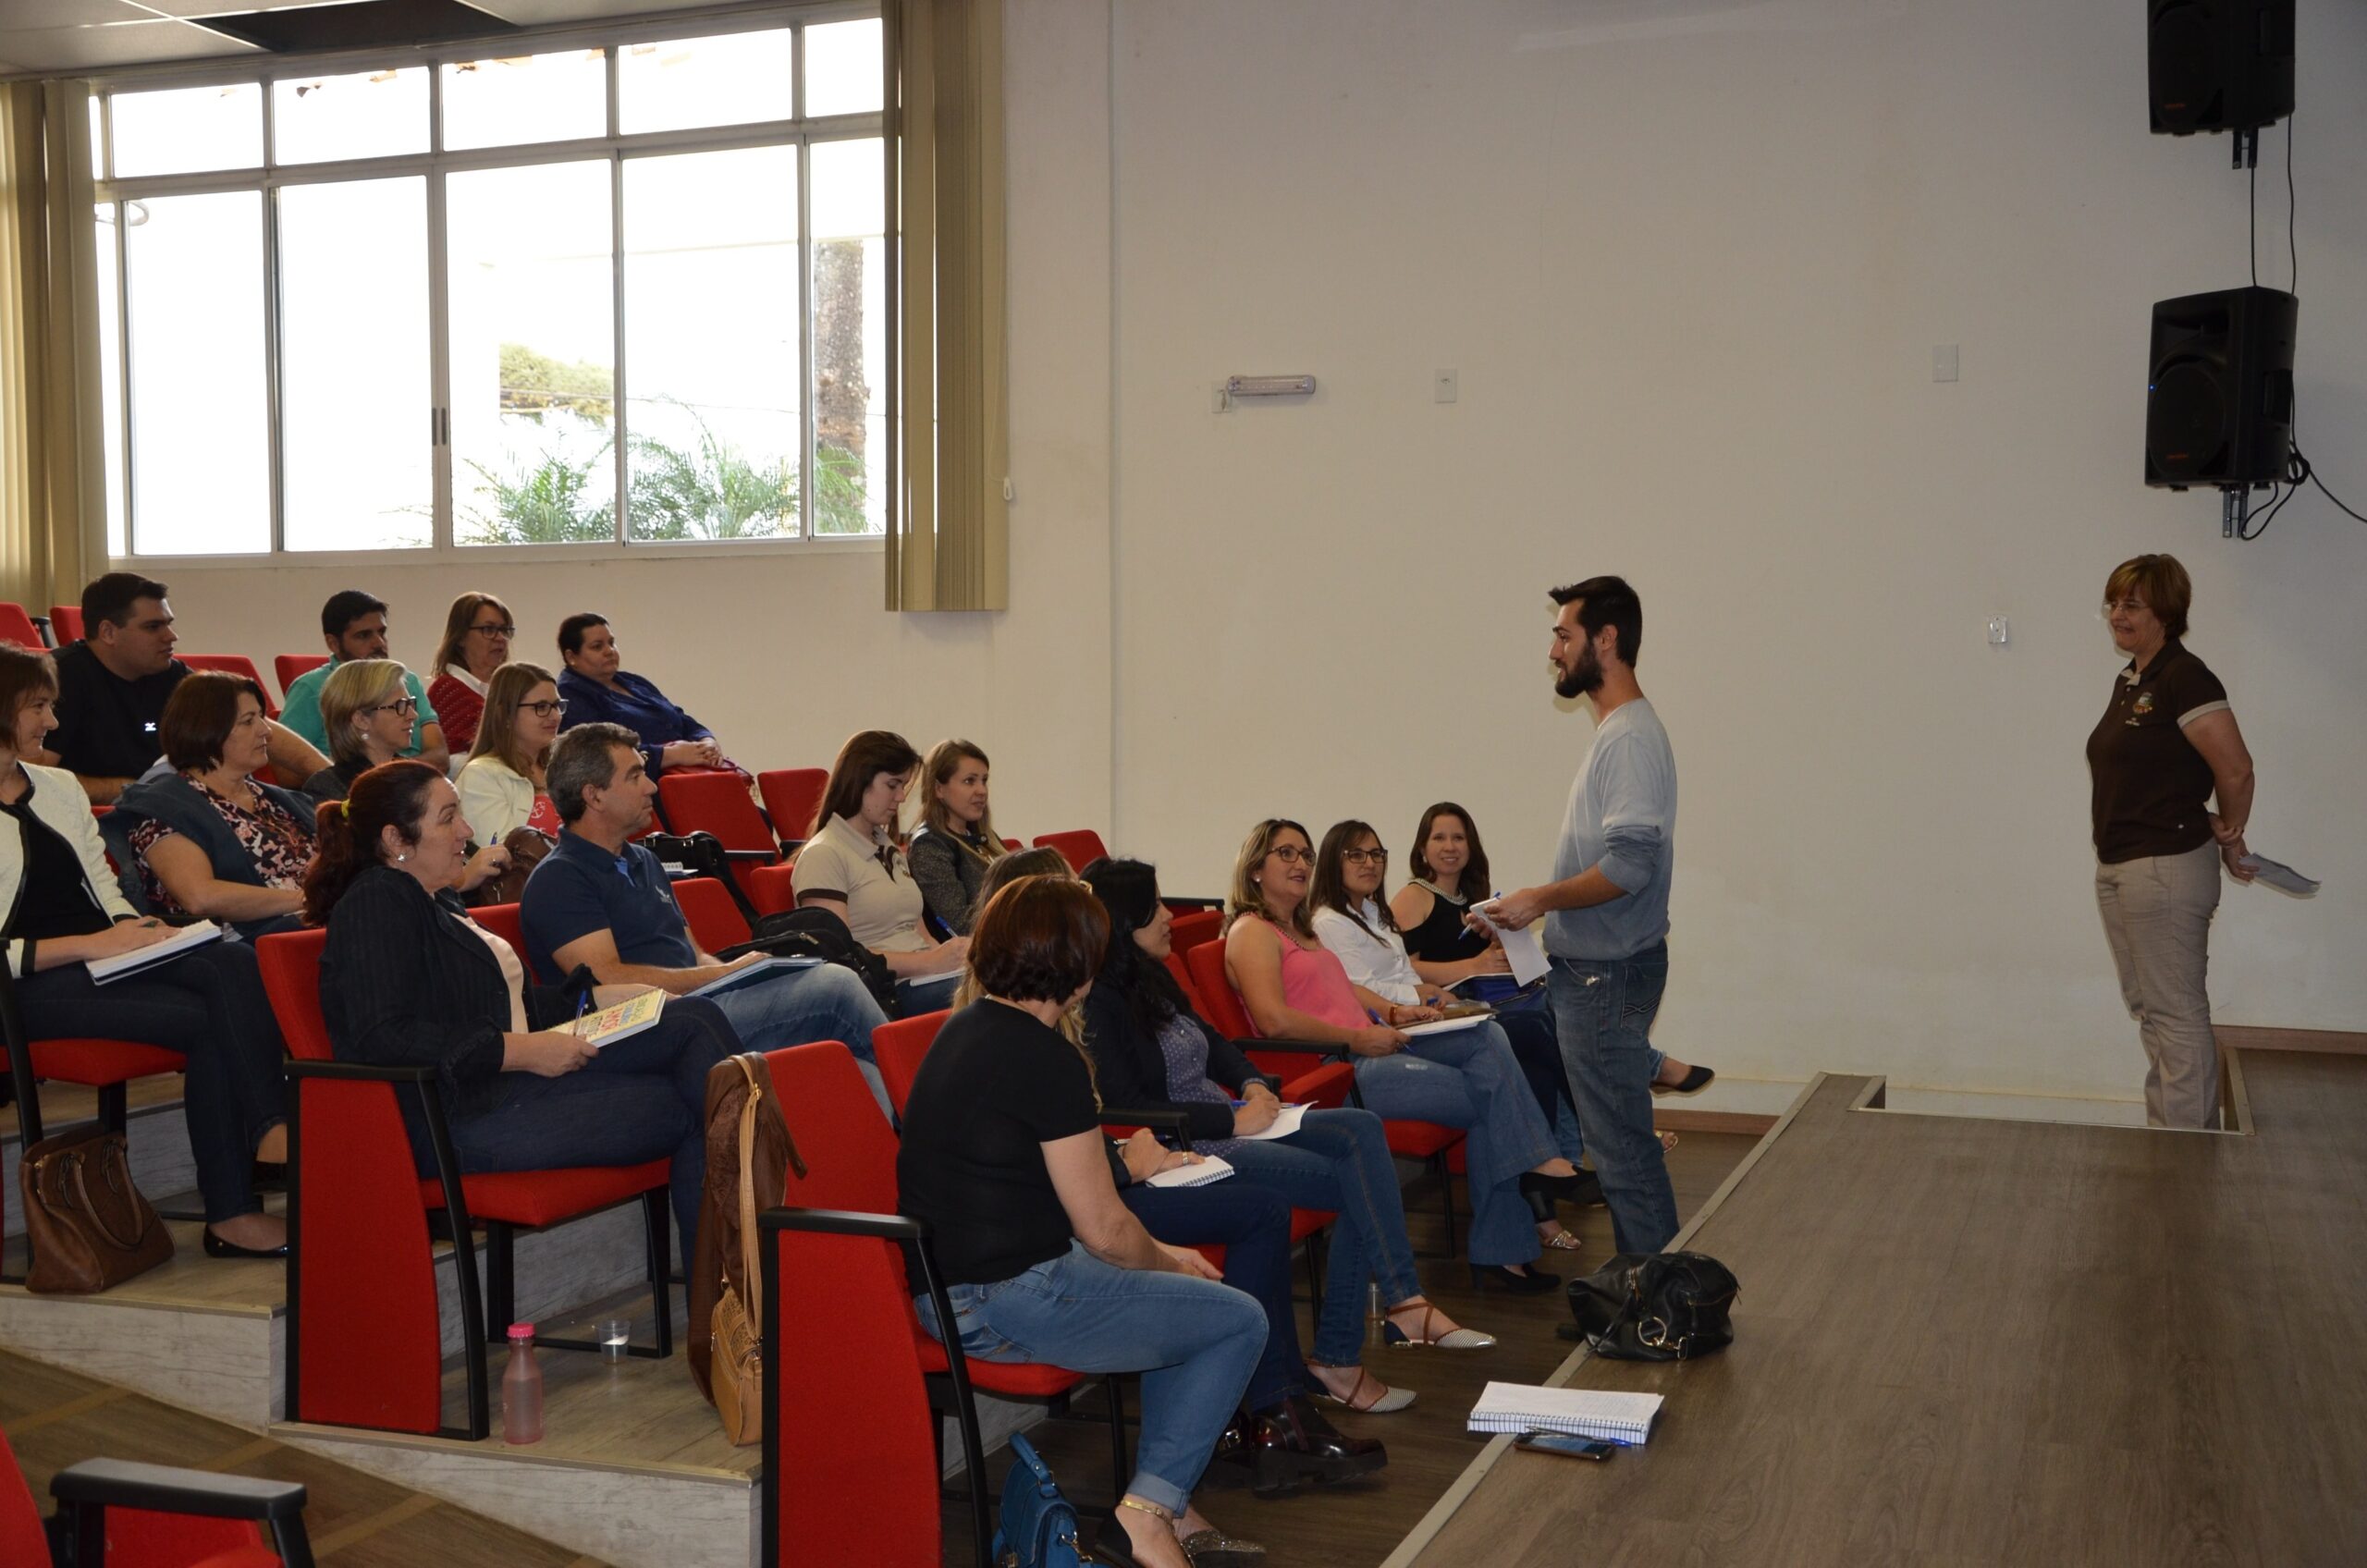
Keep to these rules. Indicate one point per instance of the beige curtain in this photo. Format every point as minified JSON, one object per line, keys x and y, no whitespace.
{"x":52,"y":476}
{"x":948,"y":528}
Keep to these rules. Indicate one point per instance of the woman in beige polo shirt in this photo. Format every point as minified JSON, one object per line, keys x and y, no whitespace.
{"x":2167,"y":744}
{"x":852,"y":866}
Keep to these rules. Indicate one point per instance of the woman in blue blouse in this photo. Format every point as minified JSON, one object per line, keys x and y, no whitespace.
{"x":599,"y":690}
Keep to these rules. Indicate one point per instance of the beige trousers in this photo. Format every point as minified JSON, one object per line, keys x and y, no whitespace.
{"x":2157,"y":916}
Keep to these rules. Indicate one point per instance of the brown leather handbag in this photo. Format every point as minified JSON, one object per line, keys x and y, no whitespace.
{"x":528,"y":848}
{"x":749,"y":1153}
{"x":89,"y":1226}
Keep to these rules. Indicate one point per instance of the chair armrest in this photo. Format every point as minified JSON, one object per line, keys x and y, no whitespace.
{"x":761,"y":857}
{"x":1303,"y":1047}
{"x":1175,"y":1124}
{"x":1191,"y":903}
{"x":842,"y":1222}
{"x":361,"y":1071}
{"x":789,"y":847}
{"x":164,"y":1488}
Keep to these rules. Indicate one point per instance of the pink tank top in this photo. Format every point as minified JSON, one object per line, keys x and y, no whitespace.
{"x":1315,"y":983}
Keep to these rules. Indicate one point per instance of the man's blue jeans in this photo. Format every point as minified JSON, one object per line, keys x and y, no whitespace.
{"x":1469,"y":1079}
{"x":798,"y":1007}
{"x":1602,"y":1014}
{"x":1194,"y":1341}
{"x":1339,"y":1160}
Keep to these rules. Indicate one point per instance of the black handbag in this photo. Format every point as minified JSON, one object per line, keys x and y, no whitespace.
{"x":819,"y":933}
{"x":1656,"y":1306}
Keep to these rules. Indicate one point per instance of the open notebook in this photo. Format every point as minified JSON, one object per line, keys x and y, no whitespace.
{"x":1603,"y":1414}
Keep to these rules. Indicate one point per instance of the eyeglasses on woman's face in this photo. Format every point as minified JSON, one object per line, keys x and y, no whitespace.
{"x":545,"y":708}
{"x":496,"y":629}
{"x":1291,"y":854}
{"x":1374,"y":856}
{"x":400,"y":704}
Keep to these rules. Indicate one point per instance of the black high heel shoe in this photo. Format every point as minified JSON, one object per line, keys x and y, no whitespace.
{"x":216,"y":1247}
{"x":1535,"y":1283}
{"x":1582,"y":1188}
{"x":1692,"y":1083}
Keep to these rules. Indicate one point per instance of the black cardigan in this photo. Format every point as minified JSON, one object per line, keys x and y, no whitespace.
{"x":1131,"y":1070}
{"x":405,"y":982}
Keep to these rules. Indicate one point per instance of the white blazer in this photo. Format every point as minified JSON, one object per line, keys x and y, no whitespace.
{"x":495,"y":798}
{"x":58,"y":801}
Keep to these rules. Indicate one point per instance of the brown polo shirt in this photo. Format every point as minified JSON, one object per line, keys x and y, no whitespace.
{"x":2151,"y":788}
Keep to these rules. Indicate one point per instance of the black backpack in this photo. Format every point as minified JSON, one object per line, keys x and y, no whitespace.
{"x":1656,"y":1306}
{"x":818,"y":933}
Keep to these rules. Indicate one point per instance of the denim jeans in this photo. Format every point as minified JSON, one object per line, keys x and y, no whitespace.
{"x":1193,"y":1340}
{"x":1469,"y":1079}
{"x":209,"y":1005}
{"x":1602,"y":1012}
{"x":641,"y":1098}
{"x":1253,"y":1225}
{"x":797,"y":1007}
{"x":1339,"y":1160}
{"x":930,"y":993}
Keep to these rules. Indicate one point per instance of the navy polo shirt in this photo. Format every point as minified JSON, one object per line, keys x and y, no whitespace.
{"x":581,"y":887}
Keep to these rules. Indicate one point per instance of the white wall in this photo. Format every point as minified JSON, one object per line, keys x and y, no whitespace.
{"x":1689,"y":259}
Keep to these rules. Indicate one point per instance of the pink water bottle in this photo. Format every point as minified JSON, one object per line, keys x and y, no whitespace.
{"x":521,"y":1390}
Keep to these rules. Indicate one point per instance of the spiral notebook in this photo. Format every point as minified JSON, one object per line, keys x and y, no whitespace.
{"x":1212,"y":1169}
{"x":1604,"y":1413}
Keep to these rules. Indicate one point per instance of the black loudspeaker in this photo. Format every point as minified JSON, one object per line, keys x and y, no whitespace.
{"x":2218,"y":64}
{"x":2219,"y":400}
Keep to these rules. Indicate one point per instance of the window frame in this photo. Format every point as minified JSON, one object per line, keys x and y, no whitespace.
{"x":615,"y":148}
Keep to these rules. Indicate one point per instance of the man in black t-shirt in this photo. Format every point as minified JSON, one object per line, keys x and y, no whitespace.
{"x":112,"y":687}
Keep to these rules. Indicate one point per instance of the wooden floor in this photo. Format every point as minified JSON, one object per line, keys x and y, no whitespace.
{"x":1973,"y":1342}
{"x":1357,"y":1526}
{"x":55,"y":1419}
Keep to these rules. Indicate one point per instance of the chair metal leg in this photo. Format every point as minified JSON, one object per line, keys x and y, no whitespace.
{"x":114,"y":1107}
{"x":501,"y":1280}
{"x":655,"y":1206}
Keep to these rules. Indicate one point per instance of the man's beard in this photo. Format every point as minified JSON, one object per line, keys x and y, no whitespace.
{"x":1583,"y":681}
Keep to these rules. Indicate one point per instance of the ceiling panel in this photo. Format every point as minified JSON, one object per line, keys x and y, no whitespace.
{"x":118,"y":44}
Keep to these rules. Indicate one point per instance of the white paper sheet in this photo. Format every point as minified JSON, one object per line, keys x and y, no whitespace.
{"x":2277,"y":874}
{"x":1522,"y":946}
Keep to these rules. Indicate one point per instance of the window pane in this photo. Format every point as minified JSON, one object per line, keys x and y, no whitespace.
{"x":533,"y":362}
{"x":376,"y":115}
{"x":532,"y":98}
{"x":200,"y":460}
{"x":711,"y":356}
{"x":111,"y":375}
{"x":849,"y":337}
{"x":695,"y":82}
{"x":843,"y":71}
{"x":357,"y":468}
{"x":187,"y":129}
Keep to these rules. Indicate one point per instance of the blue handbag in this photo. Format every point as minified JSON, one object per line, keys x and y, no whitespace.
{"x":1038,"y":1527}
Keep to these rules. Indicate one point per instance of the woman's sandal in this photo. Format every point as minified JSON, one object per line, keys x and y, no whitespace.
{"x":1369,"y":1396}
{"x":1563,"y":1241}
{"x":1453,"y":1339}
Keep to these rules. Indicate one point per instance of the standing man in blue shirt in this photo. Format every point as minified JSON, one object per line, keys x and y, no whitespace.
{"x":1606,"y":909}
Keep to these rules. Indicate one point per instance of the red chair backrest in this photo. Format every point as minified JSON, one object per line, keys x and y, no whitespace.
{"x":137,"y":1537}
{"x":66,"y":622}
{"x":849,"y":1149}
{"x":1188,"y":931}
{"x":287,"y":667}
{"x":1080,"y":847}
{"x":1182,"y":973}
{"x":792,"y":795}
{"x":291,"y":962}
{"x":714,"y":916}
{"x":505,"y":922}
{"x":899,"y":1046}
{"x":716,"y":802}
{"x":234,"y":664}
{"x":773,"y":888}
{"x":1223,"y":1007}
{"x":20,"y":1534}
{"x":16,"y":626}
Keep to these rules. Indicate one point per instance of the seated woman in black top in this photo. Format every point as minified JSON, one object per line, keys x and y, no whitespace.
{"x":208,"y":1004}
{"x":408,"y":980}
{"x":1002,"y":1159}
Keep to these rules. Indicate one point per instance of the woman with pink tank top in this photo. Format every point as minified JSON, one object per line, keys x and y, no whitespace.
{"x":1294,"y":988}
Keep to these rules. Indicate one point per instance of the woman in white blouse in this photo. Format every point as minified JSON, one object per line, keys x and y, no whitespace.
{"x":501,"y":785}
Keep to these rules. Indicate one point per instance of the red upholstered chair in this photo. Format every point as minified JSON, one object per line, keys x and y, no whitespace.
{"x":772,"y":888}
{"x":791,"y":797}
{"x":287,"y":667}
{"x":1313,"y":1072}
{"x":129,"y":1515}
{"x":712,"y":914}
{"x":898,"y":1045}
{"x":1426,"y":1141}
{"x":849,"y":1157}
{"x":716,"y":802}
{"x":1080,"y":847}
{"x":1188,"y":931}
{"x":234,"y":664}
{"x":16,"y":626}
{"x":505,"y":922}
{"x":365,"y":1342}
{"x":65,"y":623}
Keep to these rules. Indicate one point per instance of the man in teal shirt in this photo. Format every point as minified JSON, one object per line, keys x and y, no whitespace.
{"x":353,"y":624}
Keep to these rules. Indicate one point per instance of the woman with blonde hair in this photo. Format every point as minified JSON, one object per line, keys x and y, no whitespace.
{"x":955,"y":844}
{"x":366,"y":711}
{"x":476,"y":643}
{"x":502,"y":783}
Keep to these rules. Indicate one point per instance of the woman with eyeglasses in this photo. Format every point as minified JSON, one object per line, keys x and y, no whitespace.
{"x":366,"y":710}
{"x":502,"y":785}
{"x":476,"y":643}
{"x":1297,"y":988}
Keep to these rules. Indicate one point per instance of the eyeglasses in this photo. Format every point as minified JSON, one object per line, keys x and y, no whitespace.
{"x":1365,"y":857}
{"x":2127,"y":606}
{"x":545,"y":709}
{"x":495,"y":630}
{"x":1291,"y":854}
{"x":400,"y":704}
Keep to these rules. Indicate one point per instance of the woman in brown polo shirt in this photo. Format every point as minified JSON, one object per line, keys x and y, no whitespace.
{"x":2167,"y":744}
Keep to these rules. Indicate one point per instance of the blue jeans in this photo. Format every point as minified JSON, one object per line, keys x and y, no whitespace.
{"x":1339,"y":1160}
{"x":797,"y":1007}
{"x":1193,"y":1340}
{"x":1469,"y":1079}
{"x":640,"y":1098}
{"x":1604,"y":1012}
{"x":930,"y":993}
{"x":1253,"y":1225}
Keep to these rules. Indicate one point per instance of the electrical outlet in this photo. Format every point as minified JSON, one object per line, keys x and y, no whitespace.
{"x":2000,"y":631}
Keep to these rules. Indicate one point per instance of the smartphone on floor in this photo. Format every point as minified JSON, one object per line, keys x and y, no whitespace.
{"x":1565,"y":1445}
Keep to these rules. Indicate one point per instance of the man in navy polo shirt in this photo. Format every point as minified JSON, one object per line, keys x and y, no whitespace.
{"x":604,"y":902}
